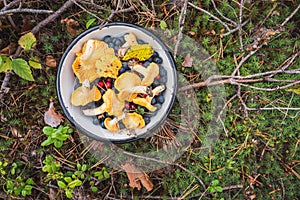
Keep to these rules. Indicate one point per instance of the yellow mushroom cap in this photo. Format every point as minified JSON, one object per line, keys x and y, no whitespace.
{"x":127,"y":84}
{"x":111,"y":124}
{"x":96,"y":60}
{"x":113,"y":105}
{"x":144,"y":102}
{"x":84,"y":95}
{"x":127,"y":80}
{"x":149,"y":73}
{"x":133,"y":121}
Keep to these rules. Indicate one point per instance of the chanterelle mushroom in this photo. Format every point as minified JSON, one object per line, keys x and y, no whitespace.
{"x":96,"y":60}
{"x":133,"y":121}
{"x":146,"y":102}
{"x":149,"y":73}
{"x":113,"y":124}
{"x":129,"y":85}
{"x":84,"y":95}
{"x":111,"y":104}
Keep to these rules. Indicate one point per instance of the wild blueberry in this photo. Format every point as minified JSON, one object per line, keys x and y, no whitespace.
{"x":158,"y":106}
{"x":146,"y":64}
{"x":158,"y":60}
{"x":160,"y":99}
{"x":153,"y":101}
{"x":107,"y":38}
{"x":147,"y":120}
{"x":96,"y":121}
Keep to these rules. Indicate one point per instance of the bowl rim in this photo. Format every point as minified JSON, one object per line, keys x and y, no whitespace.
{"x":97,"y":137}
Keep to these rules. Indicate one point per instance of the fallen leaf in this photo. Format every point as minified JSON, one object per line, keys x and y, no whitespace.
{"x":137,"y":176}
{"x":188,"y":61}
{"x":50,"y":61}
{"x":35,"y":63}
{"x":14,"y":131}
{"x":27,"y":41}
{"x":52,"y":118}
{"x":9,"y":50}
{"x":26,"y":25}
{"x":72,"y":26}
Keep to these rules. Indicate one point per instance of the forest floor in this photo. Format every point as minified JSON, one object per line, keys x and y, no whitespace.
{"x":238,"y":65}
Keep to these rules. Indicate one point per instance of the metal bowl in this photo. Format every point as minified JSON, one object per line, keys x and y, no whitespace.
{"x":66,"y":79}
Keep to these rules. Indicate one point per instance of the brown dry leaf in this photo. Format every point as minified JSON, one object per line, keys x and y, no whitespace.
{"x":136,"y":176}
{"x":188,"y":61}
{"x":52,"y":118}
{"x":26,"y":26}
{"x":50,"y":61}
{"x":10,"y":49}
{"x":0,"y":25}
{"x":72,"y":26}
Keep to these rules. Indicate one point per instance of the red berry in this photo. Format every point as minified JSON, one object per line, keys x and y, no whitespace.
{"x":127,"y":106}
{"x":143,"y":95}
{"x":100,"y":84}
{"x":133,"y":107}
{"x":108,"y":85}
{"x":135,"y":59}
{"x":109,"y":79}
{"x":157,"y":77}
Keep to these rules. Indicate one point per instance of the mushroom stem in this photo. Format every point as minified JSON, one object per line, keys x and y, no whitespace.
{"x":95,"y":111}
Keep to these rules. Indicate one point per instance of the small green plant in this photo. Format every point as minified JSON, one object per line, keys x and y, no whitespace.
{"x":56,"y":136}
{"x":20,"y":66}
{"x":19,"y":186}
{"x":214,"y":187}
{"x":101,"y":174}
{"x":3,"y":164}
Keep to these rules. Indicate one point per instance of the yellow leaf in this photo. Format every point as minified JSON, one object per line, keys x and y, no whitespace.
{"x":140,"y":51}
{"x":27,"y":41}
{"x":35,"y":63}
{"x":296,"y":90}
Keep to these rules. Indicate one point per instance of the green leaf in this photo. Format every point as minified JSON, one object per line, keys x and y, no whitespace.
{"x":215,"y":182}
{"x":84,"y":168}
{"x":9,"y":184}
{"x":27,"y":41}
{"x":68,"y":179}
{"x":90,"y":22}
{"x":75,"y":183}
{"x":35,"y":63}
{"x":47,"y":142}
{"x":47,"y":130}
{"x":29,"y":181}
{"x":61,"y":185}
{"x":106,"y":174}
{"x":211,"y":189}
{"x":69,"y":194}
{"x":163,"y":25}
{"x":78,"y":166}
{"x":58,"y":143}
{"x":70,"y":130}
{"x":22,"y":69}
{"x":28,"y":187}
{"x":5,"y":64}
{"x":219,"y":189}
{"x":94,"y":189}
{"x":24,"y":193}
{"x":62,"y":137}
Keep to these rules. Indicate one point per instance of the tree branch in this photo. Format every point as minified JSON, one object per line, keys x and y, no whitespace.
{"x":25,"y":10}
